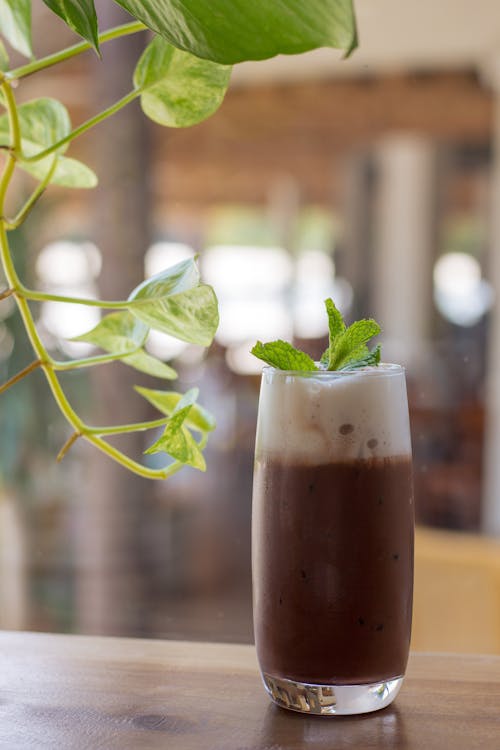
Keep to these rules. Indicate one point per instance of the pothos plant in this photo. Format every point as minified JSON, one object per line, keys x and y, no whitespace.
{"x":180,"y":79}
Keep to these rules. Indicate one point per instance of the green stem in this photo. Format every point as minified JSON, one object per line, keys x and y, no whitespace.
{"x":100,"y":359}
{"x":84,"y":127}
{"x":20,"y":375}
{"x":14,"y":223}
{"x":121,"y":428}
{"x":76,"y":49}
{"x":17,"y":289}
{"x":35,"y":296}
{"x":67,"y":445}
{"x":129,"y":463}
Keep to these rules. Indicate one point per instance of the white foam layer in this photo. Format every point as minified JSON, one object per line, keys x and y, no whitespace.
{"x":333,"y":416}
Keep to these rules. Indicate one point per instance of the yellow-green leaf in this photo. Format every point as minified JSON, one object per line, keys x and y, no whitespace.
{"x":178,"y":89}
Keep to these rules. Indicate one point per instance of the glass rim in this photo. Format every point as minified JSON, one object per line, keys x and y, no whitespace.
{"x":384,"y":369}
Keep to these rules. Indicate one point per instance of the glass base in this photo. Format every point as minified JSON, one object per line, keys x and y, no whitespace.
{"x":331,"y":700}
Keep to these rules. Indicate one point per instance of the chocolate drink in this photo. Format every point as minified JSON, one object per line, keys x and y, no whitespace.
{"x":333,"y":605}
{"x":332,"y":538}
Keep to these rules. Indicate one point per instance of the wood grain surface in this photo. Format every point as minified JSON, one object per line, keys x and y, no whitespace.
{"x":75,"y":693}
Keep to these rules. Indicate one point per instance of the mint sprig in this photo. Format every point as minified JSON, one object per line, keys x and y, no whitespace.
{"x":347,"y":347}
{"x":283,"y":356}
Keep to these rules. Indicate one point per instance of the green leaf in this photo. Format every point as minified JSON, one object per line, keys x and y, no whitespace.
{"x":283,"y":356}
{"x":144,"y":362}
{"x":347,"y":348}
{"x":173,"y":280}
{"x":230,"y":31}
{"x":178,"y":89}
{"x":336,"y":325}
{"x":69,"y":173}
{"x":117,"y":333}
{"x":4,"y":57}
{"x":176,"y":440}
{"x":15,"y":24}
{"x":176,"y":303}
{"x":167,"y":401}
{"x":370,"y":359}
{"x":349,"y":343}
{"x":336,"y":328}
{"x":80,"y":16}
{"x":44,"y":122}
{"x":122,"y":333}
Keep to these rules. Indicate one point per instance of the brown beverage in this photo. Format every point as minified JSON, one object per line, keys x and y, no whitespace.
{"x":333,"y":538}
{"x":336,"y":592}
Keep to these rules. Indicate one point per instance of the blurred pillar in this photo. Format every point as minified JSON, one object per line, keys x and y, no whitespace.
{"x":404,"y":241}
{"x":353,"y":259}
{"x":491,"y":475}
{"x":283,"y":206}
{"x":110,"y":587}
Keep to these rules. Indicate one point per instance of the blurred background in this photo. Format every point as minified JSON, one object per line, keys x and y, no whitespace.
{"x":375,"y":181}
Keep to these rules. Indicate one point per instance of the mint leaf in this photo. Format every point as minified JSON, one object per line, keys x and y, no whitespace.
{"x":371,"y":358}
{"x":336,"y":328}
{"x":349,"y":345}
{"x":283,"y":356}
{"x":336,"y":325}
{"x":347,"y":348}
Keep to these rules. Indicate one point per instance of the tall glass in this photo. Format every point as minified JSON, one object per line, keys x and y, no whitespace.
{"x":332,"y":538}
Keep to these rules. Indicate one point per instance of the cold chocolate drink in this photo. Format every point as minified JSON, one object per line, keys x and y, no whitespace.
{"x":333,"y":538}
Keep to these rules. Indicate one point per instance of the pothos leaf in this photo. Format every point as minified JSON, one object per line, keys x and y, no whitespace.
{"x":178,"y":89}
{"x":43,"y":122}
{"x":176,"y":440}
{"x":117,"y":333}
{"x":230,"y":31}
{"x":176,"y":303}
{"x":122,"y":333}
{"x":69,"y":173}
{"x":144,"y":362}
{"x":167,"y":401}
{"x":80,"y":16}
{"x":15,"y":24}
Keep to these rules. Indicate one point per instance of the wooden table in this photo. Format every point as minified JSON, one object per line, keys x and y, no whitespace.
{"x":72,"y":692}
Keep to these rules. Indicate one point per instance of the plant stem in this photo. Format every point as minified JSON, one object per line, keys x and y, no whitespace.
{"x":67,"y":445}
{"x":14,"y":223}
{"x":76,"y":49}
{"x":20,"y":375}
{"x":122,"y":428}
{"x":35,"y":296}
{"x":6,"y":293}
{"x":100,"y":359}
{"x":130,"y":464}
{"x":84,"y":127}
{"x":43,"y":360}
